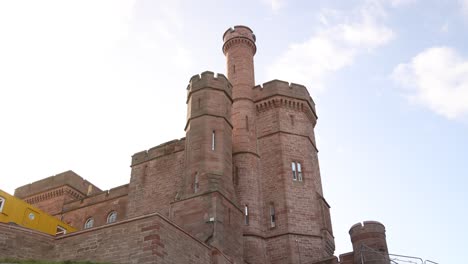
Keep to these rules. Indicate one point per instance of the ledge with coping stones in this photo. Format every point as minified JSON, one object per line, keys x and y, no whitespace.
{"x":164,"y":149}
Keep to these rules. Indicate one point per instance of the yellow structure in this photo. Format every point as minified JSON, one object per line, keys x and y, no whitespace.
{"x":15,"y":210}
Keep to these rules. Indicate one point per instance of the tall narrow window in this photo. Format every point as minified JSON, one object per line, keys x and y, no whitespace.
{"x":246,"y":215}
{"x":296,"y":171}
{"x":2,"y":203}
{"x":89,"y":223}
{"x":272,"y":216}
{"x":112,"y":217}
{"x":247,"y":123}
{"x":196,"y":183}
{"x":235,"y":175}
{"x":293,"y":167}
{"x":213,"y":135}
{"x":292,"y":120}
{"x":299,"y":172}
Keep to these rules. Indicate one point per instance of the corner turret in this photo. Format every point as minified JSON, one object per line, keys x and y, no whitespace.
{"x":369,"y":243}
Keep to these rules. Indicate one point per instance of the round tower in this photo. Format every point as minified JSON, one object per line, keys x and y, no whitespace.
{"x":369,"y":243}
{"x":239,"y":49}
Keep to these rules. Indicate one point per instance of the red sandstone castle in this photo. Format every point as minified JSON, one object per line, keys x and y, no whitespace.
{"x":243,"y":186}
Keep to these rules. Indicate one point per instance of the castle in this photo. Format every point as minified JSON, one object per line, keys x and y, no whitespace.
{"x":243,"y":186}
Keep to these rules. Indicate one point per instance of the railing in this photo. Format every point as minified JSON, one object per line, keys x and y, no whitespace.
{"x":371,"y":256}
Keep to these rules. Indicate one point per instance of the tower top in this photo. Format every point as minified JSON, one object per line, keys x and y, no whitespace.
{"x":239,"y":33}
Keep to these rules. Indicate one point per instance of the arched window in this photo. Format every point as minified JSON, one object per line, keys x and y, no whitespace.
{"x":112,"y":217}
{"x":89,"y":223}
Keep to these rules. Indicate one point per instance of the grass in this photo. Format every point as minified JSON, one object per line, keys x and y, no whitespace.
{"x":44,"y":262}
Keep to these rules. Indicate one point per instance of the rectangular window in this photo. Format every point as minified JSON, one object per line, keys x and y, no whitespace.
{"x":296,"y":171}
{"x":272,"y":216}
{"x":196,"y":183}
{"x":213,"y":140}
{"x":2,"y":203}
{"x":299,"y":172}
{"x":293,"y":167}
{"x":246,"y":215}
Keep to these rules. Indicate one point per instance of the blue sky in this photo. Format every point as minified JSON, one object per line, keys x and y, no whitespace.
{"x":85,"y":84}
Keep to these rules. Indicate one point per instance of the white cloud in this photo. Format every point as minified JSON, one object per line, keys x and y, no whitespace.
{"x":464,"y":5}
{"x":436,"y":78}
{"x":275,"y":5}
{"x":333,"y":47}
{"x":400,"y":3}
{"x":76,"y":75}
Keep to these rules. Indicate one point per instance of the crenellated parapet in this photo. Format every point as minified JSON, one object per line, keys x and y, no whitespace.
{"x":158,"y":151}
{"x":369,"y":242}
{"x":238,"y":35}
{"x":210,"y":80}
{"x":209,"y":94}
{"x":278,"y":93}
{"x":360,"y":229}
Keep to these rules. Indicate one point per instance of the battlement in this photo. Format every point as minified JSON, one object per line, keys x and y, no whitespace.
{"x":65,"y":178}
{"x":366,"y":227}
{"x":167,"y":148}
{"x":278,"y":87}
{"x":208,"y":79}
{"x":239,"y":33}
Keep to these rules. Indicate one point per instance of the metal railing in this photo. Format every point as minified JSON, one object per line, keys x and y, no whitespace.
{"x":371,"y":256}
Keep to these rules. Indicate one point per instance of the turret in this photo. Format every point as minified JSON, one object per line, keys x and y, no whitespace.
{"x":209,"y":135}
{"x":369,"y":243}
{"x":205,"y":205}
{"x":239,"y":48}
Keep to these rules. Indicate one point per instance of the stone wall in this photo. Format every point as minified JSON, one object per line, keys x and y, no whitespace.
{"x":147,"y":239}
{"x":22,"y":243}
{"x":98,"y":207}
{"x":156,"y":178}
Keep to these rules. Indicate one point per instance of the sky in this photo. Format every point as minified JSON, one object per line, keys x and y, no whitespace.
{"x":86,"y":84}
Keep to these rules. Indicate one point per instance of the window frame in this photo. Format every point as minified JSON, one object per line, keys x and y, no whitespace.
{"x":213,"y":140}
{"x":89,"y":223}
{"x":2,"y":203}
{"x":272,"y":216}
{"x":297,"y":171}
{"x":294,"y":172}
{"x":246,"y":215}
{"x":112,"y":215}
{"x":196,"y":183}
